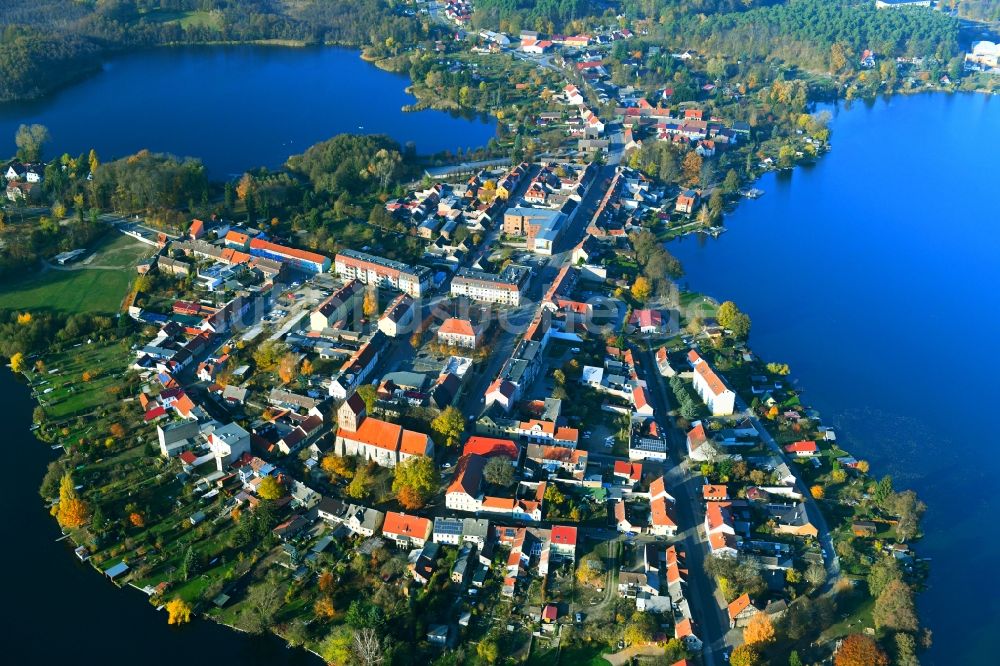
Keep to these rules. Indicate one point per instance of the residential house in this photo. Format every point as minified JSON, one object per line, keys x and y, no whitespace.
{"x":459,"y":332}
{"x":406,"y":530}
{"x":719,"y":398}
{"x":740,"y":611}
{"x":398,"y":317}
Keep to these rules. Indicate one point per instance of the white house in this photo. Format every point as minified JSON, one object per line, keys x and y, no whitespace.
{"x":718,"y":397}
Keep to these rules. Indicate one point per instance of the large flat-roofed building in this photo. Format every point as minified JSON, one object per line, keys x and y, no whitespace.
{"x":307,"y":261}
{"x":541,"y":227}
{"x":502,"y":288}
{"x":379,"y":271}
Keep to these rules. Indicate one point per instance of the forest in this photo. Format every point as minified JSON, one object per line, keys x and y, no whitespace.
{"x":46,"y":43}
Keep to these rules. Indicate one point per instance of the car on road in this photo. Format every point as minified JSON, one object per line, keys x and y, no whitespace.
{"x":578,"y":617}
{"x":446,"y":466}
{"x":575,"y":350}
{"x":586,"y":433}
{"x":621,"y":645}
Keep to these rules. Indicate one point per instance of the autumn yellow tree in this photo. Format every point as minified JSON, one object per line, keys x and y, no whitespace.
{"x":692,"y":168}
{"x":23,"y":318}
{"x":87,"y":375}
{"x":270,"y":488}
{"x":73,"y":511}
{"x":324,"y":608}
{"x":246,"y":186}
{"x":337,"y":466}
{"x":136,"y":519}
{"x":416,"y":481}
{"x":370,"y":305}
{"x":288,"y":367}
{"x":306,"y":368}
{"x":817,"y":492}
{"x":178,"y":611}
{"x":759,"y":630}
{"x":641,"y":289}
{"x":745,"y":655}
{"x":17,"y":362}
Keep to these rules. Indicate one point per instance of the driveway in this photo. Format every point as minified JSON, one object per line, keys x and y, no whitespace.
{"x":625,"y":656}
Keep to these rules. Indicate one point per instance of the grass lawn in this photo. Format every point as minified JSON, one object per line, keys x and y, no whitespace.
{"x":83,"y":288}
{"x":186,"y":19}
{"x":67,"y":393}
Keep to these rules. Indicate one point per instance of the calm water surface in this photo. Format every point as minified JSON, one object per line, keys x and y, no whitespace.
{"x":876,"y":276}
{"x":65,"y":611}
{"x":235,"y":107}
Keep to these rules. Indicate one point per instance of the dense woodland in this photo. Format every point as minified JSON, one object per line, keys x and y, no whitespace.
{"x":45,"y":43}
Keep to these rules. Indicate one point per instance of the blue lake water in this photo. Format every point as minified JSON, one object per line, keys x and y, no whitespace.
{"x":235,"y":107}
{"x":876,"y":275}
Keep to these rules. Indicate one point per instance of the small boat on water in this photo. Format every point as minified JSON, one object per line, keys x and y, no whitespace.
{"x":752,"y":193}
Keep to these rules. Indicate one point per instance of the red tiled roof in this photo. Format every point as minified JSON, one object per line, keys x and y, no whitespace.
{"x":802,"y":447}
{"x":468,"y":475}
{"x":715,"y":492}
{"x":456,"y":326}
{"x":491,"y":446}
{"x":740,"y":604}
{"x":564,"y":535}
{"x":406,"y":525}
{"x":375,"y":432}
{"x":660,"y":512}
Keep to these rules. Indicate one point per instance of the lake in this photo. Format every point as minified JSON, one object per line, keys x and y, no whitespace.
{"x":875,"y":275}
{"x":235,"y":107}
{"x":65,"y":611}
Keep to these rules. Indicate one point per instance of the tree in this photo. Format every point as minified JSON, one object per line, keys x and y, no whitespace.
{"x":359,"y":487}
{"x":908,"y":510}
{"x":92,"y":162}
{"x":591,"y":570}
{"x":270,"y":488}
{"x":745,"y":655}
{"x":188,"y":564}
{"x":488,"y":650}
{"x":337,"y":466}
{"x":906,"y":650}
{"x":368,"y":393}
{"x":416,"y":482}
{"x":265,"y":598}
{"x":883,"y":572}
{"x":368,"y":647}
{"x":178,"y":611}
{"x":17,"y":362}
{"x":691,"y":166}
{"x":499,"y":471}
{"x":883,"y":490}
{"x":449,"y":426}
{"x":759,"y":629}
{"x":137,"y":519}
{"x":117,"y":430}
{"x":336,"y":648}
{"x":815,"y":574}
{"x":72,"y":511}
{"x":794,"y":659}
{"x":642,"y":289}
{"x":860,"y":650}
{"x":640,"y":629}
{"x":894,"y":608}
{"x":30,"y":140}
{"x":324,"y":609}
{"x":731,"y":182}
{"x":288,"y":367}
{"x":370,"y":305}
{"x":731,"y":318}
{"x":384,"y":166}
{"x":817,"y":492}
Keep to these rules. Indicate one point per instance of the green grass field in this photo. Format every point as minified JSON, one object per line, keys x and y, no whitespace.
{"x":186,"y":19}
{"x":69,"y":393}
{"x":82,"y":288}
